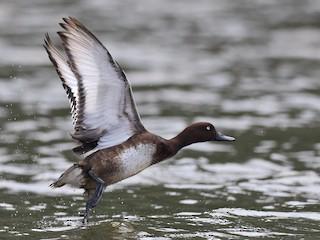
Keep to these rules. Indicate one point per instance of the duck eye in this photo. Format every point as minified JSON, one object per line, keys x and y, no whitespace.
{"x":208,"y":128}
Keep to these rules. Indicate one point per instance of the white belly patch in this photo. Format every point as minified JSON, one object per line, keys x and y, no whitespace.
{"x":137,"y":158}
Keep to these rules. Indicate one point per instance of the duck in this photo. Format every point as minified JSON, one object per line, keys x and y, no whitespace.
{"x":113,"y":144}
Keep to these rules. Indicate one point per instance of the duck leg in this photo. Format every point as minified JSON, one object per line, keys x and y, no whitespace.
{"x":94,"y":200}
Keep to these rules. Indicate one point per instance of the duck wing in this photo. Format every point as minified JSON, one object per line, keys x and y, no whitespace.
{"x":102,"y":106}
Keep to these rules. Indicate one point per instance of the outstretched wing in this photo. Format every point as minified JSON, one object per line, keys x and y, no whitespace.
{"x":102,"y":106}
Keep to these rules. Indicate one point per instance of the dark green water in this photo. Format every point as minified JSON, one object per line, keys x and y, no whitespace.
{"x":250,"y":67}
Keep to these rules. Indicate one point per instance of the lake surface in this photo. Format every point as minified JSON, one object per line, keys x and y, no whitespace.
{"x":250,"y":67}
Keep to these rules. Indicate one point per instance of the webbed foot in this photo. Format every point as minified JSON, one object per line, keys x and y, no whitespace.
{"x":94,"y":200}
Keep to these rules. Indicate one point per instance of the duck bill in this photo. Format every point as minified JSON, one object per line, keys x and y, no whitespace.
{"x":221,"y":137}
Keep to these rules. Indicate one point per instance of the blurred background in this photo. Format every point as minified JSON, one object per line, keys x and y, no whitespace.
{"x":249,"y":66}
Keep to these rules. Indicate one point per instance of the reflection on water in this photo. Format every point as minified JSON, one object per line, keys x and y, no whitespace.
{"x":250,"y":67}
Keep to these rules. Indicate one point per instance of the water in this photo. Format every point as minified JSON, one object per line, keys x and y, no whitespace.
{"x":250,"y":67}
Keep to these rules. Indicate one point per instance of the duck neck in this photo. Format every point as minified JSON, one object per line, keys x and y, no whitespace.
{"x":169,"y":147}
{"x":181,"y":140}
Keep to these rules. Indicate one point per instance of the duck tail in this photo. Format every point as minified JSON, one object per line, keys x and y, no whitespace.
{"x":73,"y":176}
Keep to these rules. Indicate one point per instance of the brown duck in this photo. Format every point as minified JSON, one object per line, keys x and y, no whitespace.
{"x":114,"y":144}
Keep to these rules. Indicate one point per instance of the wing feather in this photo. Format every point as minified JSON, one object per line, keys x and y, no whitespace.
{"x":69,"y":81}
{"x":102,"y":103}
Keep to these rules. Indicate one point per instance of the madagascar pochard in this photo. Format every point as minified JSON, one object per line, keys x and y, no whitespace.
{"x":114,"y":144}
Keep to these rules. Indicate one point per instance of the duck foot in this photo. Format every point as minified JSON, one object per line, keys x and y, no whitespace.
{"x":94,"y":200}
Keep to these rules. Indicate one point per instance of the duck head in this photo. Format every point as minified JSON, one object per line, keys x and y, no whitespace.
{"x":200,"y":132}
